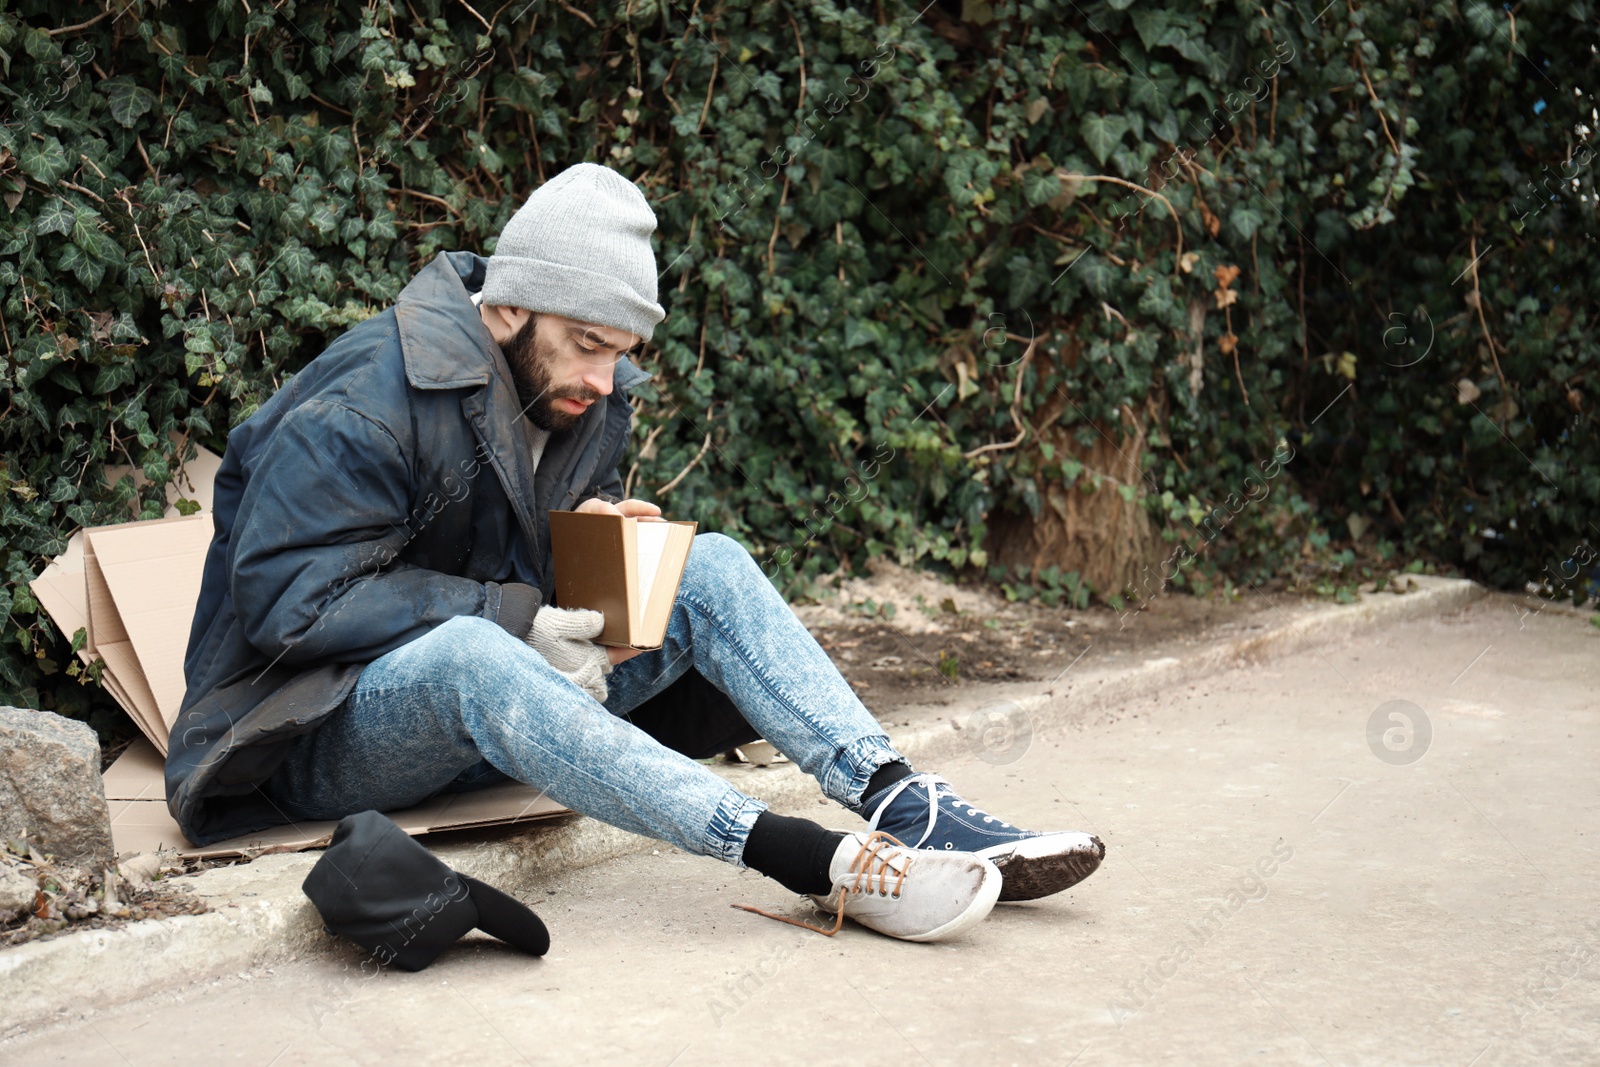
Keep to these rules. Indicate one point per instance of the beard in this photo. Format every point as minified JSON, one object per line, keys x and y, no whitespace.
{"x":531,"y":362}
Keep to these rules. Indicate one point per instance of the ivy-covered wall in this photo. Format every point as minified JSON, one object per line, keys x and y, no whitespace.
{"x":1107,"y":291}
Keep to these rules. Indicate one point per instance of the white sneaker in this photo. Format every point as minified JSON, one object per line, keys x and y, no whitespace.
{"x":915,"y":896}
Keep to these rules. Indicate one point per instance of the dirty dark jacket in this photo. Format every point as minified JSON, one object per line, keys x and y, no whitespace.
{"x":385,"y":489}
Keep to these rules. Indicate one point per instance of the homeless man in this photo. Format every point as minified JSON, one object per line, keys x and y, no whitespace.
{"x":375,"y":628}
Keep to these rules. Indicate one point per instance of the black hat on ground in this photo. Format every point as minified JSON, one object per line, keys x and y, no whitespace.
{"x":387,"y":893}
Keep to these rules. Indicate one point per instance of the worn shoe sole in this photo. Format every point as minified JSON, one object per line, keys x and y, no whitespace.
{"x":1039,"y":866}
{"x":989,"y":890}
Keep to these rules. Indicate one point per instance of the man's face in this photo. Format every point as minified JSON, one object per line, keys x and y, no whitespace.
{"x":561,"y":366}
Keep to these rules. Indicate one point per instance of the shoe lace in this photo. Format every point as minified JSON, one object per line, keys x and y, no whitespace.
{"x":939,"y":788}
{"x":881,"y":854}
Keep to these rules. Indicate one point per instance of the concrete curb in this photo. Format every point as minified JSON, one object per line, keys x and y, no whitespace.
{"x":260,"y":915}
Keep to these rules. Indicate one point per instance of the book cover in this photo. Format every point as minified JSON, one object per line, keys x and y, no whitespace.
{"x":625,"y":568}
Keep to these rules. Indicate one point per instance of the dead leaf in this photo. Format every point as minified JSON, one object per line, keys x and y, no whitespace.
{"x":1187,"y":261}
{"x":1225,"y":297}
{"x":1467,"y":391}
{"x":965,"y":386}
{"x":1070,"y":184}
{"x":100,"y":326}
{"x":1227,"y":343}
{"x":1226,"y":275}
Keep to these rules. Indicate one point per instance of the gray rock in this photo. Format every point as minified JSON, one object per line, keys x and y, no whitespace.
{"x":50,"y":787}
{"x":141,"y":868}
{"x":17,"y":892}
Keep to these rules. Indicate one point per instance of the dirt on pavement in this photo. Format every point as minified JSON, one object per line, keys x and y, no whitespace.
{"x":904,"y":637}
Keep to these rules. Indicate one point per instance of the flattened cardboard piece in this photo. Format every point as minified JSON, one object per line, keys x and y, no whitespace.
{"x":129,"y":688}
{"x":139,"y":611}
{"x":140,"y":822}
{"x":142,"y":826}
{"x":118,"y":693}
{"x":60,"y":589}
{"x":145,"y":573}
{"x":138,"y":774}
{"x":506,"y":802}
{"x":152,"y":575}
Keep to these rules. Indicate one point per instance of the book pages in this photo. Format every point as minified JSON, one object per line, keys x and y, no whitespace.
{"x":650,"y":539}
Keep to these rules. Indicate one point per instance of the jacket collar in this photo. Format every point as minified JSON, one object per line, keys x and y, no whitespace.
{"x":443,"y":340}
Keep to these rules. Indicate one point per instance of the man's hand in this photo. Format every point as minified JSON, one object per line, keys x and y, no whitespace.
{"x":565,"y":638}
{"x":630,"y":508}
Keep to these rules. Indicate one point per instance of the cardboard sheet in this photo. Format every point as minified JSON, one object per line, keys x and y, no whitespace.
{"x":60,"y":590}
{"x":143,"y":582}
{"x":140,"y":822}
{"x":136,"y":774}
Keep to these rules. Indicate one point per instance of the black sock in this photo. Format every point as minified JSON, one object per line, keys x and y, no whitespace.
{"x":793,"y":852}
{"x":883,"y":778}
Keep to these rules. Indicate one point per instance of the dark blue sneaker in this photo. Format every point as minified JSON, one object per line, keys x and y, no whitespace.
{"x":925,"y":812}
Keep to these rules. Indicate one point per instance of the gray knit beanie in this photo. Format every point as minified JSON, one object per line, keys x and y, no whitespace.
{"x":580,"y":247}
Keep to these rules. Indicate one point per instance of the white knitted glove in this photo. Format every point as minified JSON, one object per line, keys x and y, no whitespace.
{"x":565,"y":638}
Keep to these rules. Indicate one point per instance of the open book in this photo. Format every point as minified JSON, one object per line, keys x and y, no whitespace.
{"x":627,"y":569}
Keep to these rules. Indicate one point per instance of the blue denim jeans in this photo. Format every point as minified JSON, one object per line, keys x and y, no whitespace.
{"x":467,"y":703}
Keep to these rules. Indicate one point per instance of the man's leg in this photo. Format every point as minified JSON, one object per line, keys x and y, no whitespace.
{"x":690,"y":716}
{"x":694,"y":717}
{"x":734,"y":628}
{"x":426,"y":716}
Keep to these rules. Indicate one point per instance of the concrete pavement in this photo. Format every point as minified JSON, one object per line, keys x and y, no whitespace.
{"x":1373,"y":846}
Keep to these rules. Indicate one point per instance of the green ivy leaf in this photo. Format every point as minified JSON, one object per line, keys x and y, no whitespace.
{"x":1166,"y":127}
{"x":45,"y":161}
{"x":55,"y":217}
{"x":129,"y":101}
{"x":1040,"y":185}
{"x":1096,"y":273}
{"x":1245,"y":221}
{"x":1102,"y":132}
{"x":74,"y":259}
